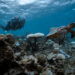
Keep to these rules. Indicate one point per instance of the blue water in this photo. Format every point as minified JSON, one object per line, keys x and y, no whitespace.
{"x":40,"y":15}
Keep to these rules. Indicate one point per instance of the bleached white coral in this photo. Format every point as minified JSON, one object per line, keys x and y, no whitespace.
{"x":39,"y":34}
{"x":35,"y":35}
{"x":30,"y":35}
{"x":61,"y":56}
{"x":73,"y":42}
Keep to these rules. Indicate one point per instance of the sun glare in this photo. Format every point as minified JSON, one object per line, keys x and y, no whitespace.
{"x":24,"y":2}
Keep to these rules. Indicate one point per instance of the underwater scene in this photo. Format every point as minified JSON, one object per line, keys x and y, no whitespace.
{"x":37,"y":37}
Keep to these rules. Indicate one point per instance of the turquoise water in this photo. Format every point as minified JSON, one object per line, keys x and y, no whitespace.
{"x":40,"y":15}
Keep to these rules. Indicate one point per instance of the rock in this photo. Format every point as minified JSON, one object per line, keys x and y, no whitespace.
{"x":50,"y":56}
{"x":42,"y":59}
{"x":50,"y":42}
{"x":17,"y":54}
{"x":56,"y":50}
{"x":47,"y":72}
{"x":72,"y":62}
{"x":6,"y":55}
{"x":39,"y":68}
{"x":29,"y":63}
{"x":15,"y":72}
{"x":6,"y":52}
{"x":31,"y":57}
{"x":7,"y":60}
{"x":55,"y":45}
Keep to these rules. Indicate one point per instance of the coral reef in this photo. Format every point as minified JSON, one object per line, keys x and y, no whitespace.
{"x":61,"y":32}
{"x":7,"y":60}
{"x":32,"y":40}
{"x":34,"y":55}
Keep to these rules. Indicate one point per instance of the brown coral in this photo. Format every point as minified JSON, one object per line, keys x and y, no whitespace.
{"x":10,"y":39}
{"x":7,"y":60}
{"x":62,"y":32}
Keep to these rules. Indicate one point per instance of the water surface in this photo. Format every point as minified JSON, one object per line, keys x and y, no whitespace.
{"x":40,"y":15}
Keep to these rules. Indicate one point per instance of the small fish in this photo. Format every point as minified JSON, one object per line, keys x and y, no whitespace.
{"x":14,"y":24}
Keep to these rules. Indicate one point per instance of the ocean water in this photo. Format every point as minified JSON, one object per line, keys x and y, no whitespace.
{"x":40,"y":15}
{"x":36,"y":54}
